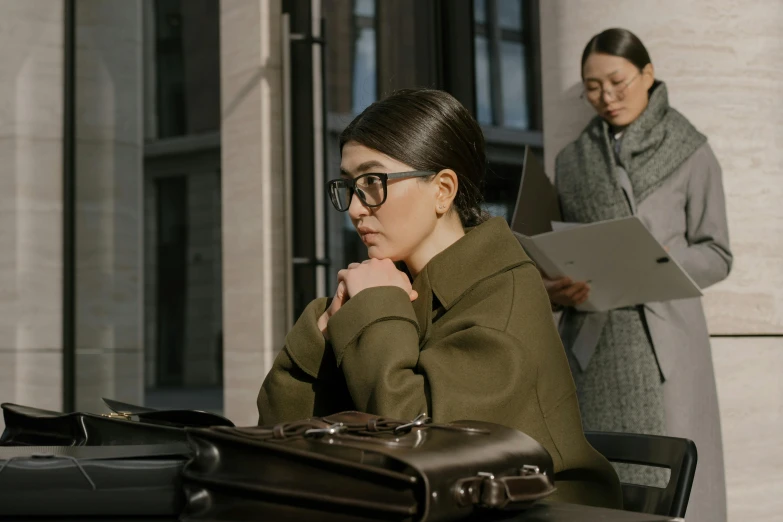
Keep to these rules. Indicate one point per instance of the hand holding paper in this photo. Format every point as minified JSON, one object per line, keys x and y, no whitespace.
{"x":621,"y":260}
{"x":565,"y":292}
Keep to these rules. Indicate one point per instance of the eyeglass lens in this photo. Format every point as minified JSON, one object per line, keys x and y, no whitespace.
{"x":369,"y":188}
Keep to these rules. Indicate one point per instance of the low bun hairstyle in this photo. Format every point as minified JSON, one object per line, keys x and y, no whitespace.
{"x":428,"y":130}
{"x":618,"y":42}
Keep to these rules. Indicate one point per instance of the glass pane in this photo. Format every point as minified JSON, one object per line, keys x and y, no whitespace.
{"x":364,"y":8}
{"x":479,"y":11}
{"x":499,"y":209}
{"x":170,"y":69}
{"x":182,"y":213}
{"x":364,"y":70}
{"x":514,"y":88}
{"x":339,"y":30}
{"x":510,"y":14}
{"x":502,"y":185}
{"x":483,"y":85}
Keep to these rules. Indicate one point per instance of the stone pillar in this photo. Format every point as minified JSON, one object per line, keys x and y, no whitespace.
{"x":109,"y":129}
{"x":31,"y":93}
{"x":254,"y":257}
{"x":722,"y":62}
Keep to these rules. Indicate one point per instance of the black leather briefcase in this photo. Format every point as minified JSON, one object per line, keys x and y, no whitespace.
{"x":128,"y":462}
{"x":128,"y":424}
{"x":143,"y":479}
{"x":352,"y":467}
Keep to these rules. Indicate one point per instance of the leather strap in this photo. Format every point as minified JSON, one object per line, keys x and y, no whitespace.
{"x":346,"y":424}
{"x":485,"y":490}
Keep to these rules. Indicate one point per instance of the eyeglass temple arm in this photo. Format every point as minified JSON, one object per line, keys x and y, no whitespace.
{"x":411,"y":174}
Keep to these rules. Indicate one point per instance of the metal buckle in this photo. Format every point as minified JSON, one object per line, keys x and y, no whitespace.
{"x":126,"y":415}
{"x":334,"y":429}
{"x":529,"y":469}
{"x":419,"y":421}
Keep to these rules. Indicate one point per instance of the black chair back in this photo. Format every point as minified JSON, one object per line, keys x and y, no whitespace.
{"x":676,"y":454}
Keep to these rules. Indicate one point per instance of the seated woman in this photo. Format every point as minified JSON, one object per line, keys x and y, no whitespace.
{"x":472,"y":337}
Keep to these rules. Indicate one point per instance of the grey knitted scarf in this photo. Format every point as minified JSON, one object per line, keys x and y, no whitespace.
{"x":653,"y":146}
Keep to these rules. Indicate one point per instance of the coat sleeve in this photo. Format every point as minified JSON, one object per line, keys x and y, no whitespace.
{"x":375,"y":337}
{"x":707,"y":258}
{"x":288,"y":390}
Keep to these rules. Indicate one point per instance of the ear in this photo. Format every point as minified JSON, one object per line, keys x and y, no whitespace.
{"x":446,"y":184}
{"x":648,"y":75}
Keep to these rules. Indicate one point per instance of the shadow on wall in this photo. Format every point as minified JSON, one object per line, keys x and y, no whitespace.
{"x":574,"y":117}
{"x":565,"y":113}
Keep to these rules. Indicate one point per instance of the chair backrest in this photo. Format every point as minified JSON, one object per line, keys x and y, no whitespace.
{"x":676,"y":454}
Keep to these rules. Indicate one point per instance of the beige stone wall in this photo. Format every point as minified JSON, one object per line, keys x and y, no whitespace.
{"x":108,"y":201}
{"x":751,"y":402}
{"x":254,"y":261}
{"x":30,"y":203}
{"x":723,"y":63}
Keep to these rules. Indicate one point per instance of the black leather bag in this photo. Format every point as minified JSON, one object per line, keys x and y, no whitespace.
{"x":56,"y":481}
{"x":128,"y":424}
{"x":128,"y":462}
{"x":356,"y":467}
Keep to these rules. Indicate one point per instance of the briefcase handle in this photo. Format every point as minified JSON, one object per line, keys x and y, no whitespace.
{"x":509,"y":492}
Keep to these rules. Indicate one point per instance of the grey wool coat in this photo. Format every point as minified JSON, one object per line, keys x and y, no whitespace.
{"x":687,"y":214}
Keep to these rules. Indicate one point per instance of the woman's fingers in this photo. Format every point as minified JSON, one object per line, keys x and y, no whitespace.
{"x":572,"y":295}
{"x":555,"y":285}
{"x":574,"y":289}
{"x":582,"y":296}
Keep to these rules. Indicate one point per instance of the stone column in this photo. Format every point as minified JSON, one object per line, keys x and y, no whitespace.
{"x":31,"y":93}
{"x":254,"y":258}
{"x":109,"y":128}
{"x":722,"y":61}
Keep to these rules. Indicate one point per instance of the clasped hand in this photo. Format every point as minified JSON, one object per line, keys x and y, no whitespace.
{"x":360,"y":276}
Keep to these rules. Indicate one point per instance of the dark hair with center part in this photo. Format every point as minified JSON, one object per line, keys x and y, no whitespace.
{"x":618,"y":42}
{"x":428,"y":130}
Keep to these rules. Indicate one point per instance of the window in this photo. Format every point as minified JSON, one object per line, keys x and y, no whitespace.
{"x":172,"y":265}
{"x":182,"y":229}
{"x":502,"y":47}
{"x":364,"y":89}
{"x":170,"y":69}
{"x":184,"y":67}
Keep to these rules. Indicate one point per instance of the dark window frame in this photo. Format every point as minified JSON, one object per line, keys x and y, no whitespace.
{"x":529,"y":37}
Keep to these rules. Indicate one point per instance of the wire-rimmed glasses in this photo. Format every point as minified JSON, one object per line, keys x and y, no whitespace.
{"x":371,"y":188}
{"x":618,"y":92}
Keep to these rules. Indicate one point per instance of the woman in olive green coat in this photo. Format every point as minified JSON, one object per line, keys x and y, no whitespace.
{"x":471,"y":337}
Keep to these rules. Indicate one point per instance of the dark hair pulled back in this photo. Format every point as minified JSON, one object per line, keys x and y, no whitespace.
{"x":428,"y":130}
{"x":618,"y":42}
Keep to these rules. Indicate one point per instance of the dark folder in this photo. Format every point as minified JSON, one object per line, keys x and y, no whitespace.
{"x":537,"y":204}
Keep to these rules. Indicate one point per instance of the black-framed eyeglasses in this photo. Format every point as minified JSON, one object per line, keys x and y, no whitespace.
{"x":370,"y":187}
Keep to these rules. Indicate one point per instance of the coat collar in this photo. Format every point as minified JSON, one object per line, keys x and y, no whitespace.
{"x":484,"y":251}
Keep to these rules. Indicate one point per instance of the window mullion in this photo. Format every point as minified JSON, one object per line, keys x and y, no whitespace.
{"x":493,"y":39}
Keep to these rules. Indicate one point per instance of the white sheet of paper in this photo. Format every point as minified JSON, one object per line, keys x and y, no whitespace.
{"x":622,"y":261}
{"x":564,"y":225}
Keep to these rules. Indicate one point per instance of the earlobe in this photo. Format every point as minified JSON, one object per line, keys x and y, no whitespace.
{"x":649,"y":73}
{"x":447,"y":184}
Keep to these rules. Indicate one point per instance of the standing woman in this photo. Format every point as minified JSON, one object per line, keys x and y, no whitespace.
{"x":646,"y":369}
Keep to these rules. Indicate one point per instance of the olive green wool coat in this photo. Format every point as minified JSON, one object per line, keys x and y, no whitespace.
{"x":479,"y":343}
